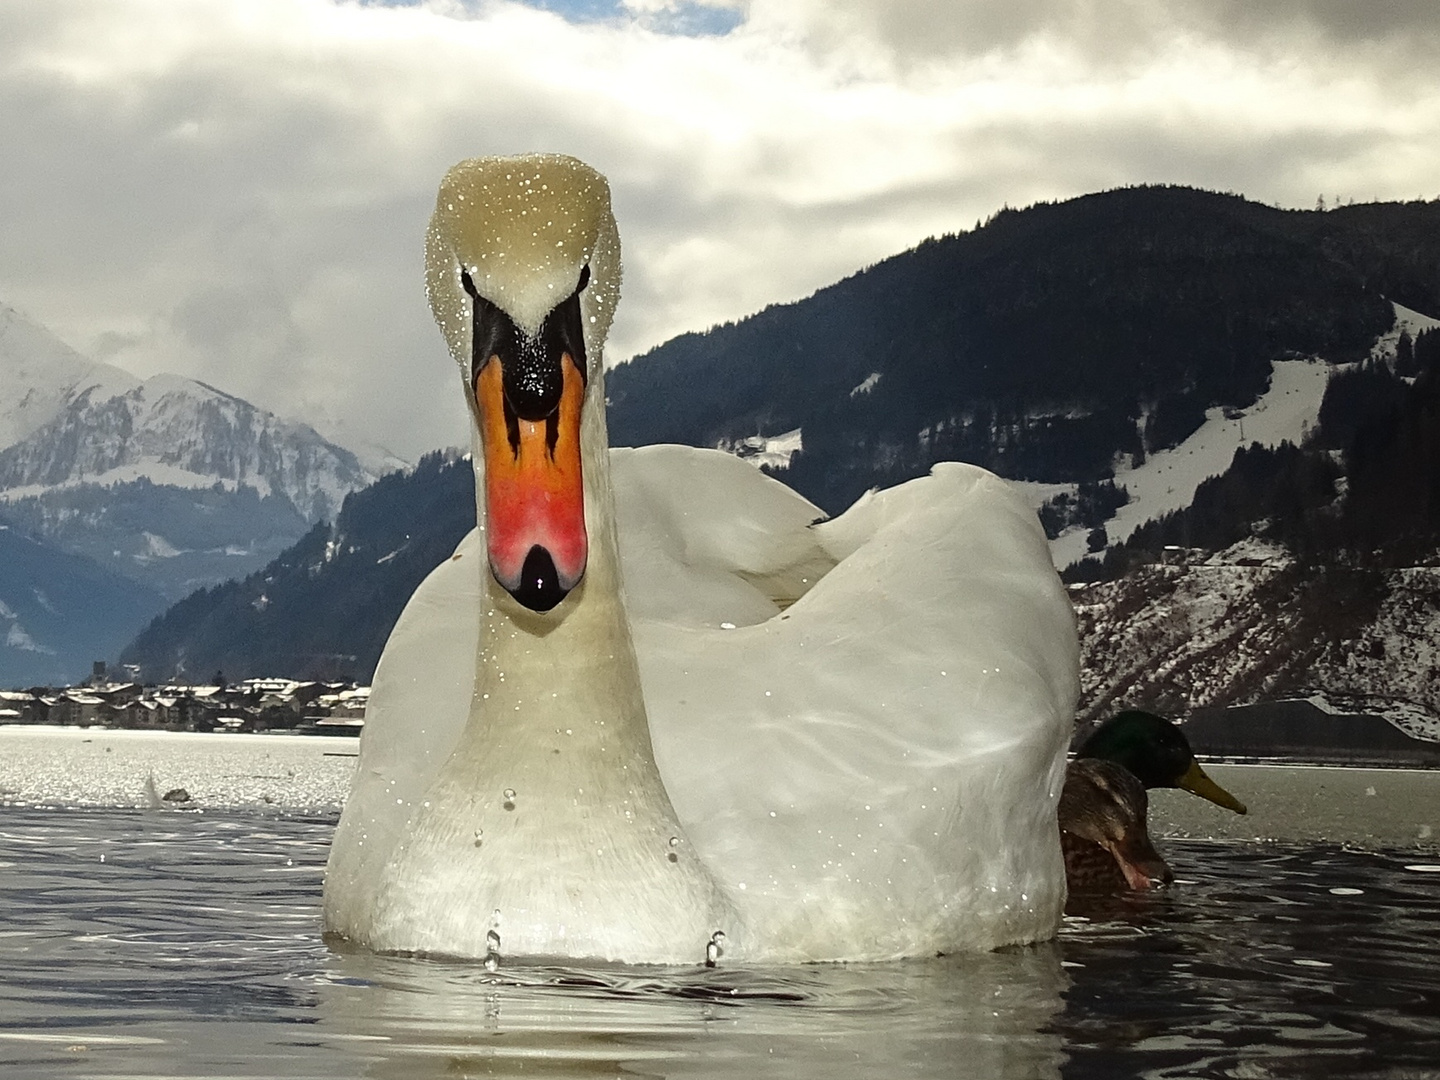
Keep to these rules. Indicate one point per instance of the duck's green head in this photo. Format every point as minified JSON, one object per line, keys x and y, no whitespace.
{"x":1157,"y":752}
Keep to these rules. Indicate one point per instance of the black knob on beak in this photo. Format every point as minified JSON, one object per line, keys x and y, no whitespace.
{"x":539,"y":588}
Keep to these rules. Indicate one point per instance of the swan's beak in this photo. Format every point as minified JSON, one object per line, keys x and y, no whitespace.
{"x":534,"y":495}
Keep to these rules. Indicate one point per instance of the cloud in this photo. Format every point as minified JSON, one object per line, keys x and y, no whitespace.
{"x":911,"y":33}
{"x":237,"y":189}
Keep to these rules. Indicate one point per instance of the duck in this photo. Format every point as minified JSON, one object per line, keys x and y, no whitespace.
{"x":1104,"y":834}
{"x":1104,"y":837}
{"x":657,"y":708}
{"x":1157,"y":753}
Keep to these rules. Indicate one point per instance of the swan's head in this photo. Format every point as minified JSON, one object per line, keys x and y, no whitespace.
{"x":523,"y":273}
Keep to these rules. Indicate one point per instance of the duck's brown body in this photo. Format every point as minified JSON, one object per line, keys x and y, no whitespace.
{"x":1103,"y":835}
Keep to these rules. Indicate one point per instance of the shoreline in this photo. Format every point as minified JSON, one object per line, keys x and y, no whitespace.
{"x":46,"y":765}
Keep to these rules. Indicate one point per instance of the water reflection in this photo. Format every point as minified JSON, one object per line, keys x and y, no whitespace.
{"x":983,"y":1016}
{"x":1256,"y":967}
{"x":157,"y":943}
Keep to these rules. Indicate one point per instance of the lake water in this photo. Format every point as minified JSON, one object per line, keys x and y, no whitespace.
{"x":139,"y":942}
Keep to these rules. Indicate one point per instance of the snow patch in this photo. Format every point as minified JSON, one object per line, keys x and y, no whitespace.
{"x":867,"y":385}
{"x":1168,"y":479}
{"x":157,"y":547}
{"x":1407,"y":321}
{"x":774,"y":451}
{"x":1037,"y":493}
{"x":157,"y":472}
{"x":17,"y":638}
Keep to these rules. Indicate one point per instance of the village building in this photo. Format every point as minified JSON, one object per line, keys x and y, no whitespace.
{"x":281,"y":705}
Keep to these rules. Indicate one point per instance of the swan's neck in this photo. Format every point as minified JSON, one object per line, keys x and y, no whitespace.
{"x":557,"y":702}
{"x":551,"y":811}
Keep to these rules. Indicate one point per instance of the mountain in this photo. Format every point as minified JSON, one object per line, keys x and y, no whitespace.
{"x":40,"y":376}
{"x":141,"y":490}
{"x":185,"y":434}
{"x":1178,"y":380}
{"x":324,"y":608}
{"x":169,"y":481}
{"x":58,"y":612}
{"x":1049,"y":345}
{"x":170,"y":538}
{"x":1302,"y":573}
{"x":1251,"y":623}
{"x":1361,"y":488}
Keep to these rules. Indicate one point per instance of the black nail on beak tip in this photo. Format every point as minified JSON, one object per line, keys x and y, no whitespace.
{"x":539,"y":588}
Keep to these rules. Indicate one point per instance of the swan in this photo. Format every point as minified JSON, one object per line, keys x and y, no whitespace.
{"x":655,"y":709}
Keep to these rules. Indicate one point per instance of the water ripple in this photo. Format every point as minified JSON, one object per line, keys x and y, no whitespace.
{"x":147,"y":943}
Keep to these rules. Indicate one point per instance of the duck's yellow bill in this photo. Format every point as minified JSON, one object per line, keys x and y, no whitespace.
{"x":1197,"y":782}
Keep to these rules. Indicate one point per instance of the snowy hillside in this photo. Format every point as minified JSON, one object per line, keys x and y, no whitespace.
{"x":1248,"y":624}
{"x":1167,"y":480}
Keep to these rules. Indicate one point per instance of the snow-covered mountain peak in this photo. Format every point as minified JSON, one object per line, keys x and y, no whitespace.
{"x":66,"y":421}
{"x":176,"y":431}
{"x":40,"y":376}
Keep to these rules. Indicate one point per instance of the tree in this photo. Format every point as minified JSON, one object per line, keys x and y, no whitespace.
{"x":1405,"y":355}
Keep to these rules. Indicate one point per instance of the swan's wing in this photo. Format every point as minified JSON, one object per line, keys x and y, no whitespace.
{"x":706,"y":539}
{"x":874,"y":770}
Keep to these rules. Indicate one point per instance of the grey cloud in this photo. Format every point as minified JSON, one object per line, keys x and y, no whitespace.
{"x":911,"y":33}
{"x":251,"y":211}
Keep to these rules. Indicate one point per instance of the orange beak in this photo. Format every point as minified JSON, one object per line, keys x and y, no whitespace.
{"x":534,"y":491}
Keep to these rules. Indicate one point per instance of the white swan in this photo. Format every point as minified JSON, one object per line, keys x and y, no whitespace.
{"x":858,"y":727}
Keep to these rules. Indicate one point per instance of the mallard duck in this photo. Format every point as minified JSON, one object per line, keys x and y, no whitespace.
{"x":1157,"y":753}
{"x":825,"y":741}
{"x":1103,"y":834}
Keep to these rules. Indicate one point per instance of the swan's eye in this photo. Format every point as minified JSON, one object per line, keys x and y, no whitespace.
{"x":584,"y":278}
{"x":469,"y":283}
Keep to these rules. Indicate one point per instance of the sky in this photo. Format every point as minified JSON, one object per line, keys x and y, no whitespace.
{"x":237,"y":190}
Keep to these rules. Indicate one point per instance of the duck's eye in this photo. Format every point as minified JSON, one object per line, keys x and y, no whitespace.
{"x":469,"y":283}
{"x":584,"y":278}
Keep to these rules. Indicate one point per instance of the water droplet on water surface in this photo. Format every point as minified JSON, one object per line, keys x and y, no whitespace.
{"x":715,"y":948}
{"x":509,"y":794}
{"x":492,"y":950}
